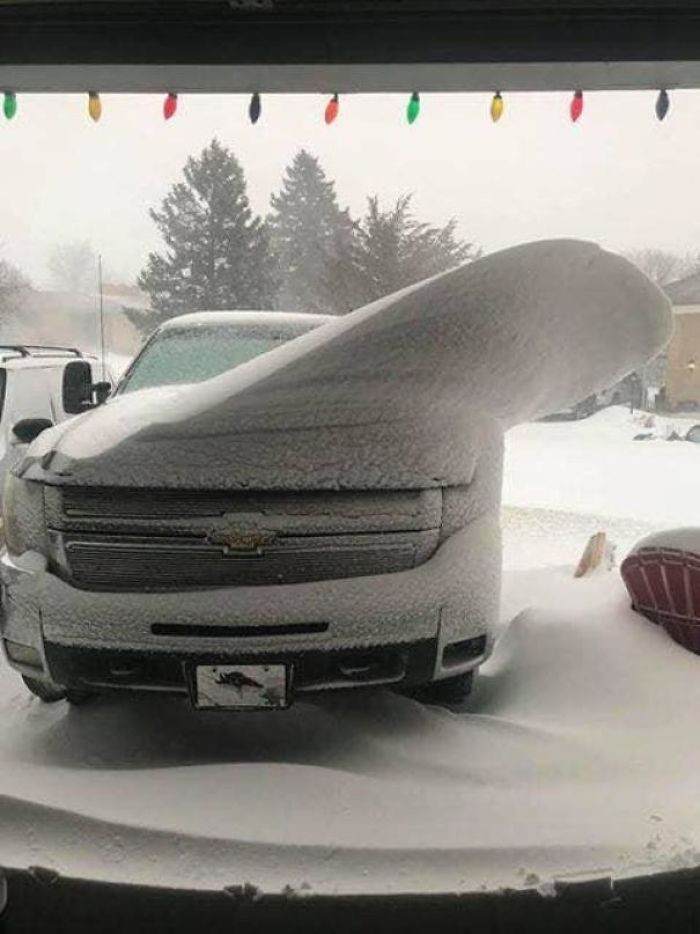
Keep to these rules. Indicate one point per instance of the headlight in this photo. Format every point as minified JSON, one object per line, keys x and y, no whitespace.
{"x":23,"y":515}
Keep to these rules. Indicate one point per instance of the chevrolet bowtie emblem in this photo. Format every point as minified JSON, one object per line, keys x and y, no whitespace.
{"x":248,"y":540}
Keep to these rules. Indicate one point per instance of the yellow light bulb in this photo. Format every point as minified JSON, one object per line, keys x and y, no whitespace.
{"x":496,"y":107}
{"x":94,"y":105}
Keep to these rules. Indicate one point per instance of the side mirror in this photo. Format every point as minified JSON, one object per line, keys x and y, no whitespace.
{"x":77,"y":387}
{"x":30,"y":428}
{"x":102,"y":392}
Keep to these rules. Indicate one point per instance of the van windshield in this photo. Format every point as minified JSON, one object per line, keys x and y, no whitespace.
{"x":197,"y":353}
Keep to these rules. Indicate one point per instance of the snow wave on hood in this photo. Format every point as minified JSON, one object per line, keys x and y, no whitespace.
{"x":406,"y":390}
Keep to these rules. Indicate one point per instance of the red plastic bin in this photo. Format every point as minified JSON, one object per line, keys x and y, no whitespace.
{"x":664,"y":586}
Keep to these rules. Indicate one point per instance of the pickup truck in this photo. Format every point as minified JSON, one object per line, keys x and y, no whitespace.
{"x":323,"y":516}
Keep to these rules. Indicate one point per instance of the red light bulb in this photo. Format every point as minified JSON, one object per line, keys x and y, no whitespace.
{"x":170,"y":106}
{"x":576,"y":107}
{"x":332,"y":109}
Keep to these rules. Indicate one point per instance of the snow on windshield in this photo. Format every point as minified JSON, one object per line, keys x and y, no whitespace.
{"x":199,"y":350}
{"x":194,"y":356}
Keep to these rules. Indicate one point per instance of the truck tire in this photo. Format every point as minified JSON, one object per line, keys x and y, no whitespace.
{"x":46,"y":691}
{"x":51,"y":693}
{"x":448,"y":692}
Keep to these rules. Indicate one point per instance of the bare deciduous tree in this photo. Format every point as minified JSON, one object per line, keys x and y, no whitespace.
{"x":662,"y":266}
{"x":73,"y":266}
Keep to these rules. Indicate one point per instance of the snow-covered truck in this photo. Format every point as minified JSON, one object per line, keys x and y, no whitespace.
{"x":324,"y":516}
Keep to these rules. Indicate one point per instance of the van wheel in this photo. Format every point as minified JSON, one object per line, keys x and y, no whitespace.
{"x":46,"y":691}
{"x":445,"y":693}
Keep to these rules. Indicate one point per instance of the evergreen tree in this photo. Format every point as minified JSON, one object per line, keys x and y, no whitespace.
{"x":392,"y":250}
{"x":217,"y":252}
{"x":309,"y":233}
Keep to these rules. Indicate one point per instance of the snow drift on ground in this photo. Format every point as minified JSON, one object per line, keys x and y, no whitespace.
{"x":576,"y":755}
{"x":595,"y":467}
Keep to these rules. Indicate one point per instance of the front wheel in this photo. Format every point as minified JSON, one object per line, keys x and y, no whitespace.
{"x":51,"y":693}
{"x":46,"y":691}
{"x":448,"y":692}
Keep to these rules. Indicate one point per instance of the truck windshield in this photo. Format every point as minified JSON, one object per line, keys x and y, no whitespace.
{"x":195,"y":354}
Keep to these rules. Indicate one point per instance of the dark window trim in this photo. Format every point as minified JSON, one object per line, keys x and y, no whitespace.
{"x":3,"y":390}
{"x":407,"y":33}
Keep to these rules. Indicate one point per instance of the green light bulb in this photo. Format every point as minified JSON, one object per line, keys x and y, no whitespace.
{"x":413,"y":108}
{"x":10,"y":104}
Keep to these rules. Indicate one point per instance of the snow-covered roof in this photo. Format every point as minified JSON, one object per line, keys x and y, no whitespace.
{"x":687,"y":309}
{"x":197,"y":318}
{"x":36,"y":358}
{"x":685,"y":291}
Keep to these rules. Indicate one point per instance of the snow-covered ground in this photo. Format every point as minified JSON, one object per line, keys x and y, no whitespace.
{"x":596,"y":467}
{"x":577,"y":754}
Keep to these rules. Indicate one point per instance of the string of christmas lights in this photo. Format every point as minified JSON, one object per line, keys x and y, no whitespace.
{"x":332,"y":108}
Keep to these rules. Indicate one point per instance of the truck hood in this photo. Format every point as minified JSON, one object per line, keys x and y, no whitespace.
{"x":408,"y":391}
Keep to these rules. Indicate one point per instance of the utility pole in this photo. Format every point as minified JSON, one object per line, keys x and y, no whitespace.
{"x":101,"y":317}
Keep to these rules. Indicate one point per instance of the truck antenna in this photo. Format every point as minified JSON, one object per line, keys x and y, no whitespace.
{"x":101,"y":317}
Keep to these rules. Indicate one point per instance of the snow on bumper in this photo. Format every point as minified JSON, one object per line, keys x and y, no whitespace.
{"x":453,"y":596}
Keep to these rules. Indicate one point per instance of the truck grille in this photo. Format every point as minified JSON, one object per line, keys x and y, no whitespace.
{"x":155,"y":565}
{"x":169,"y":540}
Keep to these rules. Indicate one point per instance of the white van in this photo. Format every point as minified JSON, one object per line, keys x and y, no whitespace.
{"x":40,"y":387}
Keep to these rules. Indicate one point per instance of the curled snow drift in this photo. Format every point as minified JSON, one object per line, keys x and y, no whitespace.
{"x":403,"y":392}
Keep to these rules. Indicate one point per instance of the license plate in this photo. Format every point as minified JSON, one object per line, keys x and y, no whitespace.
{"x":242,"y":687}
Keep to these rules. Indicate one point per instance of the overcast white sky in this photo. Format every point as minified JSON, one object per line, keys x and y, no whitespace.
{"x":618,"y":176}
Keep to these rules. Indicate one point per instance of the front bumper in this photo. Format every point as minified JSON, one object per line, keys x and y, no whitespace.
{"x":172,"y":673}
{"x":430,"y":616}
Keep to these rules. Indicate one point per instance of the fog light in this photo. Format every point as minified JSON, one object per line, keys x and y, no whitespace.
{"x":372,"y":666}
{"x":23,"y":654}
{"x":459,"y":653}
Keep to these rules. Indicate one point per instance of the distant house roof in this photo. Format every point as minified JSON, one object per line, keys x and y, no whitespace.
{"x":684,"y":291}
